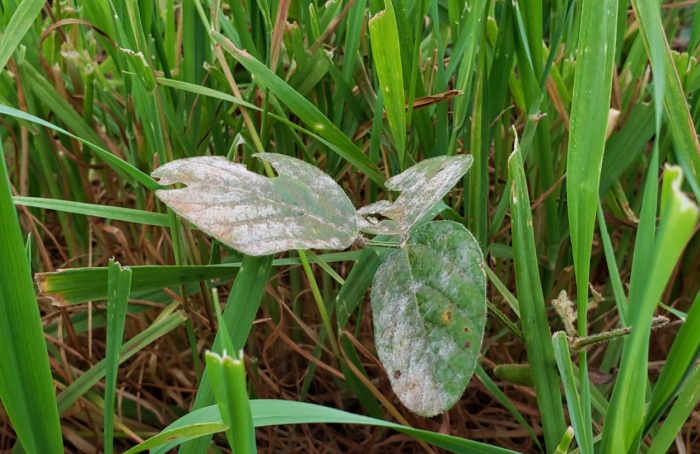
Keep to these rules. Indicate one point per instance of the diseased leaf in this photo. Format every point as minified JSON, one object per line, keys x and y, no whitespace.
{"x":302,"y":208}
{"x":429,"y":309}
{"x":421,"y":186}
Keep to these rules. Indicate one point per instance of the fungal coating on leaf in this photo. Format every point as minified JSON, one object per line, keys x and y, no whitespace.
{"x":302,"y":208}
{"x":439,"y":271}
{"x":421,"y":186}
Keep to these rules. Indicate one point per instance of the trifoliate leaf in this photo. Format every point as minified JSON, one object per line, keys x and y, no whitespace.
{"x":421,"y":186}
{"x":429,"y":310}
{"x":302,"y":208}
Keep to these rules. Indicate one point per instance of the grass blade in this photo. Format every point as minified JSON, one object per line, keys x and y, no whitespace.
{"x":91,"y":209}
{"x":589,"y":115}
{"x":384,"y":38}
{"x":227,"y":375}
{"x":80,"y":285}
{"x":116,"y":163}
{"x":19,"y":25}
{"x":566,"y":371}
{"x":118,"y":285}
{"x":532,"y":308}
{"x":26,"y":385}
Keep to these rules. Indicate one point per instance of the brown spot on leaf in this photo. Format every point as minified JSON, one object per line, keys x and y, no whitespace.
{"x":467,"y":344}
{"x":466,"y":330}
{"x":397,"y":374}
{"x":449,"y":315}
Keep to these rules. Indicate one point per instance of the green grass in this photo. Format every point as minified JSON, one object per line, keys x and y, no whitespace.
{"x":581,"y":118}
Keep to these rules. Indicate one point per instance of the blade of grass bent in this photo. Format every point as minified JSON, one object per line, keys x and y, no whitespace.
{"x":532,"y":307}
{"x":276,"y":412}
{"x":118,"y":287}
{"x":26,"y":385}
{"x":303,"y":108}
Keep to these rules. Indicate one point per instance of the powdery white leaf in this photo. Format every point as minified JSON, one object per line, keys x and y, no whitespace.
{"x":302,"y":208}
{"x":429,"y":311}
{"x":421,"y":186}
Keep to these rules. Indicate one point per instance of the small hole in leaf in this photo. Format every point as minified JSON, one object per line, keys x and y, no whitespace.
{"x":397,"y":374}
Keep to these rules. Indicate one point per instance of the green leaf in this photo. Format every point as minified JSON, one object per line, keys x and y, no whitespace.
{"x":91,"y":209}
{"x":19,"y":25}
{"x":384,"y":38}
{"x":533,"y":313}
{"x":72,"y":286}
{"x":227,"y":375}
{"x":303,"y":208}
{"x":566,"y":371}
{"x":429,"y":306}
{"x":26,"y":385}
{"x":421,"y":186}
{"x":119,"y":285}
{"x":241,"y":309}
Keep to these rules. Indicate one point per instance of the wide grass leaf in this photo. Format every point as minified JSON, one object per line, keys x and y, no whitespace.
{"x":268,"y":412}
{"x":19,"y":25}
{"x":72,"y":286}
{"x":384,"y":37}
{"x":26,"y":385}
{"x":533,"y":313}
{"x":429,"y":307}
{"x":421,"y":186}
{"x":303,"y":208}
